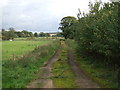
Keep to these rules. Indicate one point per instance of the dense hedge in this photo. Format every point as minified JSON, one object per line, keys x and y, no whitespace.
{"x":98,"y":32}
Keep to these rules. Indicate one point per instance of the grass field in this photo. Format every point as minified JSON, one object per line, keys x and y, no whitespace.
{"x":12,"y":49}
{"x":18,"y":73}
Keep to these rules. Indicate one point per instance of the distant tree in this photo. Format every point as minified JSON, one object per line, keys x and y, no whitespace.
{"x":47,"y":35}
{"x":59,"y":34}
{"x":18,"y":34}
{"x":4,"y":35}
{"x":35,"y":34}
{"x":22,"y":34}
{"x":31,"y":34}
{"x":25,"y":33}
{"x":11,"y":33}
{"x":42,"y":34}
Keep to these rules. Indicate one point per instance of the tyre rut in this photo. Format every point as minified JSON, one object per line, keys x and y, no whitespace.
{"x":82,"y":80}
{"x":45,"y":72}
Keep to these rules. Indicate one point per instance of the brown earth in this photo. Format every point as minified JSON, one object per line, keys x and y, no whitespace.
{"x":82,"y":80}
{"x":45,"y":72}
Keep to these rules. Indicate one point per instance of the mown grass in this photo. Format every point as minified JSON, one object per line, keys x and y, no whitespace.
{"x":18,"y":73}
{"x":102,"y":74}
{"x":15,"y":49}
{"x":63,"y":76}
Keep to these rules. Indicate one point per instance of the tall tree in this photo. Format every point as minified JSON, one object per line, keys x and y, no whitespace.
{"x":11,"y":33}
{"x":4,"y":35}
{"x":35,"y":34}
{"x":66,"y":25}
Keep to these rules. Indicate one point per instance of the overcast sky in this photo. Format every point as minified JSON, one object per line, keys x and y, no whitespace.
{"x":39,"y":15}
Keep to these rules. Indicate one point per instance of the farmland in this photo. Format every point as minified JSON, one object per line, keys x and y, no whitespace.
{"x":17,"y":73}
{"x":86,"y":54}
{"x":12,"y":49}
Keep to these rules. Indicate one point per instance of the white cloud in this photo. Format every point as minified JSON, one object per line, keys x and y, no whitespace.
{"x":39,"y":15}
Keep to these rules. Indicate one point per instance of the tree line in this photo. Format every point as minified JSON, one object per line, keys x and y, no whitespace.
{"x":97,"y":32}
{"x":12,"y":33}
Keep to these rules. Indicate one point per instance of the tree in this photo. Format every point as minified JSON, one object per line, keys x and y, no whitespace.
{"x":11,"y":33}
{"x":98,"y":33}
{"x":31,"y":34}
{"x":66,"y":25}
{"x":59,"y":34}
{"x":22,"y":34}
{"x":42,"y":34}
{"x":47,"y":35}
{"x":4,"y":35}
{"x":35,"y":34}
{"x":26,"y":33}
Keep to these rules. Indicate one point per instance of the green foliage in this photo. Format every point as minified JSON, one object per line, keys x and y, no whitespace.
{"x":66,"y":25}
{"x":98,"y":33}
{"x":59,"y":34}
{"x":11,"y":34}
{"x":42,"y":34}
{"x":106,"y":77}
{"x":18,"y":73}
{"x":35,"y":34}
{"x":6,"y":35}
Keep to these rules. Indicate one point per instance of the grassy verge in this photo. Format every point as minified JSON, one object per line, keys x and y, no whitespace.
{"x":103,"y":75}
{"x":62,"y":73}
{"x":18,"y":73}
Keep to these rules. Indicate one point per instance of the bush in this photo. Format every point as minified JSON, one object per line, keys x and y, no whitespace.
{"x":97,"y":32}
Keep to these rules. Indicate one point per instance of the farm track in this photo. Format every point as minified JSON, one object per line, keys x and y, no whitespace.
{"x":82,"y":80}
{"x":44,"y":80}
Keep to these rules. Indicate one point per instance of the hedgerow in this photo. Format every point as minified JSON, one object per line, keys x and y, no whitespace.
{"x":98,"y":33}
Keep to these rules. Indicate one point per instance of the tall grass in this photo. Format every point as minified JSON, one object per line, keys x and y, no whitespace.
{"x":18,"y":73}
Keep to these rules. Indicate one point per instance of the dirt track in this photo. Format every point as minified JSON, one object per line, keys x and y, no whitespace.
{"x":82,"y":80}
{"x":45,"y":72}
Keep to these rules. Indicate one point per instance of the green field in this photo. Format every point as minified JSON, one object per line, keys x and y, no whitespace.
{"x":13,"y":49}
{"x":18,"y":73}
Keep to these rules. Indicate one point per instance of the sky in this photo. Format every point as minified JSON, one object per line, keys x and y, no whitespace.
{"x":39,"y":15}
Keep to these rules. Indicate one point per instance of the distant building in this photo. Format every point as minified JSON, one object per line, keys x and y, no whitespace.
{"x":52,"y":34}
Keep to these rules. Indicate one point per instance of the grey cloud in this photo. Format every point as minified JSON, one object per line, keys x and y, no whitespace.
{"x":37,"y":15}
{"x":34,"y":16}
